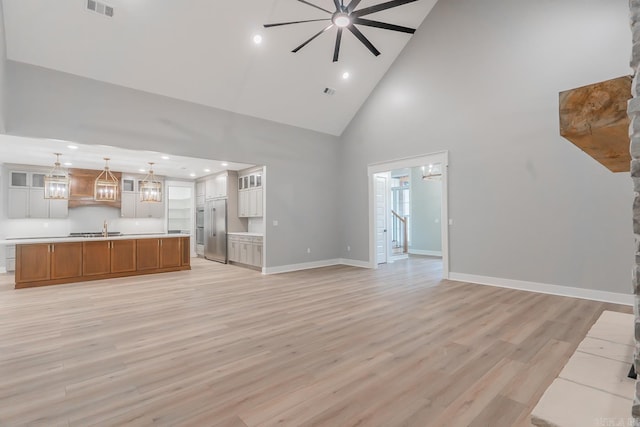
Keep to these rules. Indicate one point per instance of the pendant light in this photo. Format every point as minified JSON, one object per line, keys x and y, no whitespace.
{"x":150,"y":187}
{"x":106,"y":186}
{"x":56,"y":183}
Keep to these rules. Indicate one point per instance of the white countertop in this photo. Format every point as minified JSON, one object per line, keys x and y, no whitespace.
{"x":245,"y":233}
{"x":67,"y":239}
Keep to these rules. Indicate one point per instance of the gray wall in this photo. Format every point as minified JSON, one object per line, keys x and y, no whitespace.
{"x":3,"y":62}
{"x":426,"y":214}
{"x":301,"y":188}
{"x":481,"y":79}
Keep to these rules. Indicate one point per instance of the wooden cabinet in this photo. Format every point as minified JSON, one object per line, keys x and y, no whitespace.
{"x":148,"y":254}
{"x":106,"y":257}
{"x":96,"y":258}
{"x":123,"y":256}
{"x":185,"y":243}
{"x":170,"y":253}
{"x":50,"y":264}
{"x":48,"y":261}
{"x":66,"y":260}
{"x":33,"y":263}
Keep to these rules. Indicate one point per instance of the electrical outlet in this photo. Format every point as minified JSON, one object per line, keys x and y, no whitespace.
{"x":348,"y":248}
{"x":275,"y":222}
{"x":308,"y":250}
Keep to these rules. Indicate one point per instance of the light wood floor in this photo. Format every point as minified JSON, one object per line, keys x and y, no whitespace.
{"x":337,"y":346}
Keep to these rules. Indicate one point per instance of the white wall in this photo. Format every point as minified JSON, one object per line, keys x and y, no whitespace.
{"x":301,"y":164}
{"x":481,"y":79}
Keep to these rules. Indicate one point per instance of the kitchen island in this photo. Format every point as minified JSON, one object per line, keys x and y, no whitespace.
{"x":58,"y":260}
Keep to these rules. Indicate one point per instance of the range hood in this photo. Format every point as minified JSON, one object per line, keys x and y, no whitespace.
{"x":82,"y":183}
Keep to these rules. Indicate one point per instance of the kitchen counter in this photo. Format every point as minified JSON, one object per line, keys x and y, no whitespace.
{"x":65,"y":239}
{"x":245,"y":233}
{"x":54,"y":261}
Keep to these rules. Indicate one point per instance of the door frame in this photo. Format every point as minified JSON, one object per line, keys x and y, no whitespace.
{"x":411,"y":162}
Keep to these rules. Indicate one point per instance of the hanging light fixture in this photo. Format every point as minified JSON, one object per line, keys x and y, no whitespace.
{"x":433,"y":173}
{"x":56,"y":183}
{"x":150,"y":187}
{"x":106,"y":186}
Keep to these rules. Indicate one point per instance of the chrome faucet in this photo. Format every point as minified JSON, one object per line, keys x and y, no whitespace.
{"x":105,"y":231}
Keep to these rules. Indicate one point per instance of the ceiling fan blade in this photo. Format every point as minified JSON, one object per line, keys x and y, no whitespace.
{"x":380,"y":7}
{"x":356,"y":32}
{"x":294,"y":22}
{"x":384,"y":25}
{"x":336,"y":51}
{"x":311,"y":39}
{"x":337,"y":3}
{"x":313,"y":5}
{"x":353,"y":5}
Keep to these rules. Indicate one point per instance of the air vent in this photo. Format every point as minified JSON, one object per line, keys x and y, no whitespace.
{"x":99,"y":7}
{"x":328,"y":91}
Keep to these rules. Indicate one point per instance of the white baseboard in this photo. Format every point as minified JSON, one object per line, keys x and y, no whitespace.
{"x":315,"y":264}
{"x":544,"y":288}
{"x":355,"y":263}
{"x":428,"y":253}
{"x":301,"y":266}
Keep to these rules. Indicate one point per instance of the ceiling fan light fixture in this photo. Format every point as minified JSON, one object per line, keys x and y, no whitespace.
{"x":341,"y":20}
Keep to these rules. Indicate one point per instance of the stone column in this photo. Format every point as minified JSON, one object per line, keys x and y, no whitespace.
{"x":634,"y":133}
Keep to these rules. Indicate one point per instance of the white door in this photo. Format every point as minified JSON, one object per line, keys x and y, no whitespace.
{"x":381,"y":219}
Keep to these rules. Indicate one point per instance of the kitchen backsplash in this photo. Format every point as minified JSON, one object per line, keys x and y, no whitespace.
{"x":82,"y":219}
{"x":256,"y":225}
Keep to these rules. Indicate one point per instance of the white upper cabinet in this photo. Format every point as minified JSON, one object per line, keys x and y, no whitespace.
{"x":26,"y":197}
{"x":131,"y":205}
{"x":250,"y":195}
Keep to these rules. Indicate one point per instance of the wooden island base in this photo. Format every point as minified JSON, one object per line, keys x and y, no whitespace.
{"x":42,"y":264}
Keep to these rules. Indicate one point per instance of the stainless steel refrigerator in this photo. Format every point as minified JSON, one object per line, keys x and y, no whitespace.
{"x":215,"y":230}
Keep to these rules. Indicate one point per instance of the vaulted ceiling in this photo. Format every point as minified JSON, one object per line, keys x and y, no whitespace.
{"x":202,"y":51}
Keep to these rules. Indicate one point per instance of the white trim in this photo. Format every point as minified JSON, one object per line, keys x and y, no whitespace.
{"x":354,"y":263}
{"x":544,"y":288}
{"x":301,"y":266}
{"x":411,"y":162}
{"x":422,"y":252}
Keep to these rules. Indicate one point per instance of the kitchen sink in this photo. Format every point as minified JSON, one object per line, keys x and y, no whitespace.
{"x":95,"y":234}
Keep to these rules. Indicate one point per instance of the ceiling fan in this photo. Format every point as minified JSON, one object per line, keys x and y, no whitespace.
{"x":347,"y":17}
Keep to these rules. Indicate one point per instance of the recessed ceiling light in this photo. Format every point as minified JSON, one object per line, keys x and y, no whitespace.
{"x":257,"y":39}
{"x":192,"y":175}
{"x":142,"y":170}
{"x":165,"y":157}
{"x":207,"y":170}
{"x":225,"y":164}
{"x":72,"y":147}
{"x":68,"y":164}
{"x":345,"y":75}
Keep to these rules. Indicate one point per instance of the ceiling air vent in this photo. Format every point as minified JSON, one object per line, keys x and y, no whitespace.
{"x":328,"y":91}
{"x":99,"y":7}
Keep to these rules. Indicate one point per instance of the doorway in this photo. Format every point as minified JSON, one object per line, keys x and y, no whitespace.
{"x":428,"y":216}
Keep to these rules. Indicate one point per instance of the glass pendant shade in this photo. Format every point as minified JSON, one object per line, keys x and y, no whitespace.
{"x":106,"y":186}
{"x":150,"y":187}
{"x":56,"y":183}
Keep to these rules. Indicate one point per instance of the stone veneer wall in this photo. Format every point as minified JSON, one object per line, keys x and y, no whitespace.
{"x":634,"y":132}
